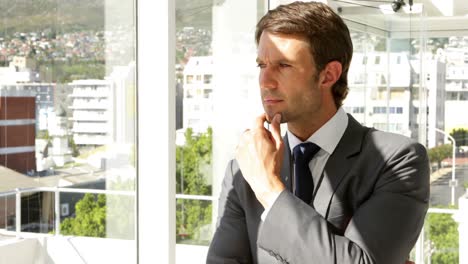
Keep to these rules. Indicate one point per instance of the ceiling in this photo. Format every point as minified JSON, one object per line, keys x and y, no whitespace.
{"x":433,"y":18}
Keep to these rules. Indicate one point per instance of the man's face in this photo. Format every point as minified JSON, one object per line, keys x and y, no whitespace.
{"x":288,"y":78}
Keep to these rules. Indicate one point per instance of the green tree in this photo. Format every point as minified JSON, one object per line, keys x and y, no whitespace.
{"x":194,"y":163}
{"x":443,"y":233}
{"x":43,"y":134}
{"x":192,"y":171}
{"x":73,"y":146}
{"x":90,"y":218}
{"x":461,"y":136}
{"x":439,"y":153}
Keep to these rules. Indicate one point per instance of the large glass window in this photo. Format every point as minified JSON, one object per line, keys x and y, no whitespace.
{"x":216,"y":70}
{"x":422,"y":62}
{"x":67,"y":122}
{"x":68,"y":118}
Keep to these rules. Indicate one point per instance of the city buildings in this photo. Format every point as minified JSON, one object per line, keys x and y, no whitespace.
{"x":198,"y":89}
{"x":376,"y":98}
{"x":91,"y":106}
{"x":103,"y":111}
{"x":17,"y":129}
{"x":457,"y":86}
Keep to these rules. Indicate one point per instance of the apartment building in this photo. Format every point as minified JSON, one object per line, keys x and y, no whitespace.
{"x":91,"y":116}
{"x":383,"y":95}
{"x":17,"y":128}
{"x":457,"y":88}
{"x":198,"y":89}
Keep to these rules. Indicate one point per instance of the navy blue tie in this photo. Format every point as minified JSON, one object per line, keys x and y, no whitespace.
{"x":303,"y":182}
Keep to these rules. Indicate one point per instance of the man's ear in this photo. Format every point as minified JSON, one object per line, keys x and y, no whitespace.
{"x":330,"y":74}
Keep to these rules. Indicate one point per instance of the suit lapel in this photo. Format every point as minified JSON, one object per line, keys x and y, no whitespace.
{"x":338,"y":164}
{"x":286,"y":168}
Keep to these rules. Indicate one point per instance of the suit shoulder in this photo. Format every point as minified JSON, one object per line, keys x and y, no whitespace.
{"x":390,"y":138}
{"x":233,"y":173}
{"x":232,"y":167}
{"x":392,"y":142}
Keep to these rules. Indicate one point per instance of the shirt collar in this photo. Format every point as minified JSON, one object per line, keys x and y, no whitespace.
{"x":328,"y":135}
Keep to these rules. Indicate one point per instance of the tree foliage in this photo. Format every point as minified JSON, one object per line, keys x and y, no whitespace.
{"x":439,"y":153}
{"x":194,"y":163}
{"x":73,"y":146}
{"x":90,"y":218}
{"x":461,"y":136}
{"x":74,"y":69}
{"x":192,"y":171}
{"x":443,"y":233}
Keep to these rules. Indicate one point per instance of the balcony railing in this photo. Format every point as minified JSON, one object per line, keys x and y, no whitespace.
{"x":57,"y":192}
{"x":422,"y":251}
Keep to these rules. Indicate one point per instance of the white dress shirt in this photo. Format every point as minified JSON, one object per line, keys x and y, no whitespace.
{"x":327,"y":138}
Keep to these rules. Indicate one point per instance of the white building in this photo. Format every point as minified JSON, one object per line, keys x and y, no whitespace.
{"x":92,"y":116}
{"x":436,"y":85}
{"x":198,"y":89}
{"x":60,"y":151}
{"x":122,"y":79}
{"x":379,"y":91}
{"x":381,"y":95}
{"x":10,"y":75}
{"x":456,"y":89}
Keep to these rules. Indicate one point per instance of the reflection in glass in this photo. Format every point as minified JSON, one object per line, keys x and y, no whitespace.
{"x":215,"y":69}
{"x":67,"y":117}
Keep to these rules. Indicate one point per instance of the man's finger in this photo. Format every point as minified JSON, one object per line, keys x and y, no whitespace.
{"x":276,"y":129}
{"x":260,"y":120}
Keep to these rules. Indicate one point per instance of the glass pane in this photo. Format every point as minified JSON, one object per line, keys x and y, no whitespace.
{"x":423,"y":98}
{"x":67,"y":122}
{"x":215,"y":72}
{"x":384,"y":77}
{"x":441,"y":241}
{"x":7,"y":212}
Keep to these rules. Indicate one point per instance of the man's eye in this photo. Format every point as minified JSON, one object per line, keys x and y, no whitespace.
{"x":284,"y":65}
{"x":261,"y":65}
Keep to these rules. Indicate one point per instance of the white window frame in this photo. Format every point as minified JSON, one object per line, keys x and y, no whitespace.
{"x":156,"y":131}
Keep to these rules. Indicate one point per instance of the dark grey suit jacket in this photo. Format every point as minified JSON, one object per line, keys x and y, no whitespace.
{"x":369,"y":207}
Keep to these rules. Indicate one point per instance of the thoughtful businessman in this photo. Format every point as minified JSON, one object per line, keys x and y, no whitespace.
{"x":331,"y":190}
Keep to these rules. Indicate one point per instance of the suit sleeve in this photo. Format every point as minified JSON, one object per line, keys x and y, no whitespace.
{"x":230,"y":243}
{"x":382,"y":230}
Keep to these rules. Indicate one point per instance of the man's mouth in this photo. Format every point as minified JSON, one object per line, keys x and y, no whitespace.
{"x":271,"y":101}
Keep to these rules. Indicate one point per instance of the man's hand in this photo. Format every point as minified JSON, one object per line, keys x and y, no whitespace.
{"x":260,"y":157}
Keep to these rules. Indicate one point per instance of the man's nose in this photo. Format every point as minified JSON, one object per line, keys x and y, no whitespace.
{"x":267,"y":79}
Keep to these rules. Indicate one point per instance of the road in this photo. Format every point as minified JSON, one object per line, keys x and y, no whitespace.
{"x":441,"y":193}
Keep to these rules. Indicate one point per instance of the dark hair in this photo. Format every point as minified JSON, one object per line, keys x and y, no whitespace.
{"x":327,"y":35}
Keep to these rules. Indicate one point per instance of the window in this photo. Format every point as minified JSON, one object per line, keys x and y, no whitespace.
{"x":207,"y":78}
{"x":370,"y":42}
{"x":355,"y":110}
{"x":207,"y":93}
{"x":55,"y":143}
{"x":189,"y":79}
{"x":383,"y":80}
{"x":377,"y":60}
{"x":220,"y":88}
{"x":464,"y":96}
{"x":453,"y":96}
{"x":379,"y":110}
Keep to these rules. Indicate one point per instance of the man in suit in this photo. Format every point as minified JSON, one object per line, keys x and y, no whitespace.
{"x":331,"y":190}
